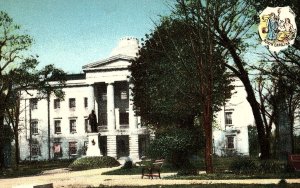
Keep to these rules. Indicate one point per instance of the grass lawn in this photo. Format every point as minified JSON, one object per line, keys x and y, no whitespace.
{"x":215,"y":186}
{"x":215,"y":176}
{"x":221,"y":166}
{"x":224,"y":176}
{"x":34,"y":168}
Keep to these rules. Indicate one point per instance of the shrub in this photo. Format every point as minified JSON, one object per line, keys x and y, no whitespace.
{"x":187,"y":170}
{"x":127,"y":164}
{"x":271,"y":166}
{"x":175,"y":145}
{"x":93,"y":162}
{"x":243,"y":166}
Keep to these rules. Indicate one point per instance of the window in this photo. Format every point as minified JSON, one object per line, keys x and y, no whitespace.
{"x":228,"y":118}
{"x":85,"y":102}
{"x":57,"y":150}
{"x":72,"y":126}
{"x":34,"y":127}
{"x":124,"y":118}
{"x":86,"y":125}
{"x":230,"y":142}
{"x":72,"y":148}
{"x":33,"y":103}
{"x":35,"y":148}
{"x":72,"y":103}
{"x":123,"y":95}
{"x":56,"y":103}
{"x":85,"y":146}
{"x":57,"y":127}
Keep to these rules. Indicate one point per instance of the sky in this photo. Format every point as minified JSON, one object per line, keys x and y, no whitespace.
{"x":73,"y":33}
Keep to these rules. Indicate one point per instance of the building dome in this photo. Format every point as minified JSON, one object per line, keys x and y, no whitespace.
{"x":127,"y":46}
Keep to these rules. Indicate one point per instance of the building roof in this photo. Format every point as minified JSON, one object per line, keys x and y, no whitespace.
{"x":79,"y":76}
{"x":101,"y":63}
{"x":126,"y":49}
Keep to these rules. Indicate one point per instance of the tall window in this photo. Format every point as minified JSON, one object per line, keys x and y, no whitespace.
{"x":57,"y":126}
{"x":230,"y":142}
{"x":72,"y":103}
{"x":34,"y":127}
{"x":123,"y":95}
{"x":85,"y":102}
{"x":228,"y":118}
{"x":72,"y":126}
{"x":57,"y":150}
{"x":56,"y":103}
{"x":72,"y":148}
{"x":33,"y":103}
{"x":86,"y":125}
{"x":124,"y":118}
{"x":35,"y":148}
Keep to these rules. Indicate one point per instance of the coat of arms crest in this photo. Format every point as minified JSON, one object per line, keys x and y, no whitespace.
{"x":277,"y":28}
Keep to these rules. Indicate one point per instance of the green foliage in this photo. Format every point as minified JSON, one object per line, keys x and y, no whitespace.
{"x":296,"y":145}
{"x":271,"y":166}
{"x":6,"y":135}
{"x":188,"y":170}
{"x":33,"y":168}
{"x":94,"y":162}
{"x":243,"y":166}
{"x":19,"y":72}
{"x":250,"y":166}
{"x":175,"y":145}
{"x":167,"y":74}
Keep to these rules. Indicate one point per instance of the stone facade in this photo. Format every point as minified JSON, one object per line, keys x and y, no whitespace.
{"x":104,"y":87}
{"x":231,"y":127}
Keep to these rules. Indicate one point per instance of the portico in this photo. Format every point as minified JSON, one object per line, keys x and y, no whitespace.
{"x":111,"y":98}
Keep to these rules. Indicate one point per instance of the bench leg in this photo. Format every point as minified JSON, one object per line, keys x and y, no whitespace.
{"x":143,"y":172}
{"x":150,"y":173}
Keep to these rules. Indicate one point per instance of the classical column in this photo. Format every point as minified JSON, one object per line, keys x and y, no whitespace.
{"x":134,"y":147}
{"x":91,"y":103}
{"x":91,"y":98}
{"x":111,"y":122}
{"x":117,"y":115}
{"x":112,"y":146}
{"x":133,"y":121}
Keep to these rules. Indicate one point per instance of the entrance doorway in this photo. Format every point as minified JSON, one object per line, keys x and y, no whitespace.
{"x":122,"y":146}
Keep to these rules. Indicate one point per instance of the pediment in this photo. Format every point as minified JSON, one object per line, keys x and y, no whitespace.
{"x":114,"y":62}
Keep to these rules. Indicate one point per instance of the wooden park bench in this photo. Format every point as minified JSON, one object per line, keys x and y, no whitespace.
{"x":294,"y":161}
{"x":151,"y":168}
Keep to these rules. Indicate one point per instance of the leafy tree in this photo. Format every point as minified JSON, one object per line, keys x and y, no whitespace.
{"x":178,"y":78}
{"x":231,"y":24}
{"x":20,"y":73}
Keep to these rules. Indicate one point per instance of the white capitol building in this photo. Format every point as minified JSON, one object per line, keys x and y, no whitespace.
{"x":104,"y":87}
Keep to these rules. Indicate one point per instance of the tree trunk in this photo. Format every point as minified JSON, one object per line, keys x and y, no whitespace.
{"x":208,"y":138}
{"x":284,"y":144}
{"x":48,"y":111}
{"x":263,"y":141}
{"x":207,"y":121}
{"x":17,"y":150}
{"x":243,"y":75}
